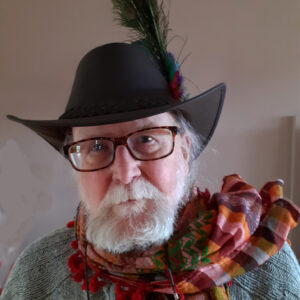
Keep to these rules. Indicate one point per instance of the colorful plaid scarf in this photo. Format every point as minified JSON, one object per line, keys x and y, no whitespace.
{"x":216,"y":239}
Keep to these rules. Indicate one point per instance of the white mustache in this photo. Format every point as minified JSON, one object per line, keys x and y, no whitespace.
{"x":139,"y":190}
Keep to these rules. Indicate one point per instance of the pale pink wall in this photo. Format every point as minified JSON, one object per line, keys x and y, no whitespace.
{"x":252,"y":45}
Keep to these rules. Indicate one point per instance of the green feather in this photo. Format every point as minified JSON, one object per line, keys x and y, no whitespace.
{"x":148,"y":24}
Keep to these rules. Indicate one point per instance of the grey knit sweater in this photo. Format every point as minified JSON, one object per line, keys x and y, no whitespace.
{"x":41,"y":272}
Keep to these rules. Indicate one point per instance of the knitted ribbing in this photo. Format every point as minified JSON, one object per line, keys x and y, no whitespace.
{"x":41,"y":272}
{"x":278,"y":278}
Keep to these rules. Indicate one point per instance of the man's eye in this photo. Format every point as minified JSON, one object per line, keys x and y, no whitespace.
{"x":146,"y":139}
{"x":97,"y":147}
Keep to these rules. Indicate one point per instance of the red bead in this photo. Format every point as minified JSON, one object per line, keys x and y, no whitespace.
{"x":75,"y":263}
{"x":95,"y":284}
{"x":229,"y":283}
{"x":74,"y":245}
{"x":70,"y":224}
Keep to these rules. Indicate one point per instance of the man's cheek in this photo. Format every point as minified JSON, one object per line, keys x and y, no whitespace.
{"x":165,"y":181}
{"x":92,"y":189}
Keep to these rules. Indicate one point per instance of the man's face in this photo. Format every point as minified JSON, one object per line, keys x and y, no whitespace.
{"x":126,"y":200}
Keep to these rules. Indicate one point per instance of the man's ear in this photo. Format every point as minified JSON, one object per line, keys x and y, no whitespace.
{"x":185,"y":149}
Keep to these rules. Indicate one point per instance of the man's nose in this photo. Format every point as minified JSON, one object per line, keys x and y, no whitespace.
{"x":125,"y":167}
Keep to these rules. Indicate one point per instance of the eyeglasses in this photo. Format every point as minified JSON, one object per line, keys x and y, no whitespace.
{"x":99,"y":152}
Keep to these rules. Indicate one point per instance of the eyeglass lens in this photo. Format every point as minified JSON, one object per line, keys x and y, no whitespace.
{"x":148,"y":144}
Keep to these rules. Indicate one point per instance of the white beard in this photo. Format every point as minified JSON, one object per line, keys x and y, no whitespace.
{"x":118,"y":227}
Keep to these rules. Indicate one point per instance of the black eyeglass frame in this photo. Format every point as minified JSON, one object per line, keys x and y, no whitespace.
{"x":122,"y":140}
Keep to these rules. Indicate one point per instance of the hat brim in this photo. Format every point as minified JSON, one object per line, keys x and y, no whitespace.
{"x":203,"y":112}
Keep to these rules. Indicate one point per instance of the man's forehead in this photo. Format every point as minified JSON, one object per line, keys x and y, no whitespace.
{"x":123,"y":128}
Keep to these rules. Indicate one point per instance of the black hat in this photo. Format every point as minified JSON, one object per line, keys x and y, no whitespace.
{"x":121,"y":82}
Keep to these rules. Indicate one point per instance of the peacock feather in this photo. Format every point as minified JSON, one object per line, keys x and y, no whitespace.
{"x":149,"y":25}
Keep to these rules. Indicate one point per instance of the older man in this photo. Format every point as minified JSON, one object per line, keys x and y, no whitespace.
{"x":142,"y":229}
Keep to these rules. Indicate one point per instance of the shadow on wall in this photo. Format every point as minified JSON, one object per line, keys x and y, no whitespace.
{"x":24,"y":198}
{"x":36,"y":198}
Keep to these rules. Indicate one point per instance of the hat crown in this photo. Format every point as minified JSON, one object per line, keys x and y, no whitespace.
{"x":115,"y":78}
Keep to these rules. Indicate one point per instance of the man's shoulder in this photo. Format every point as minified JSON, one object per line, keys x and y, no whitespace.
{"x":277,"y":278}
{"x":42,"y":266}
{"x":48,"y":249}
{"x":50,"y":245}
